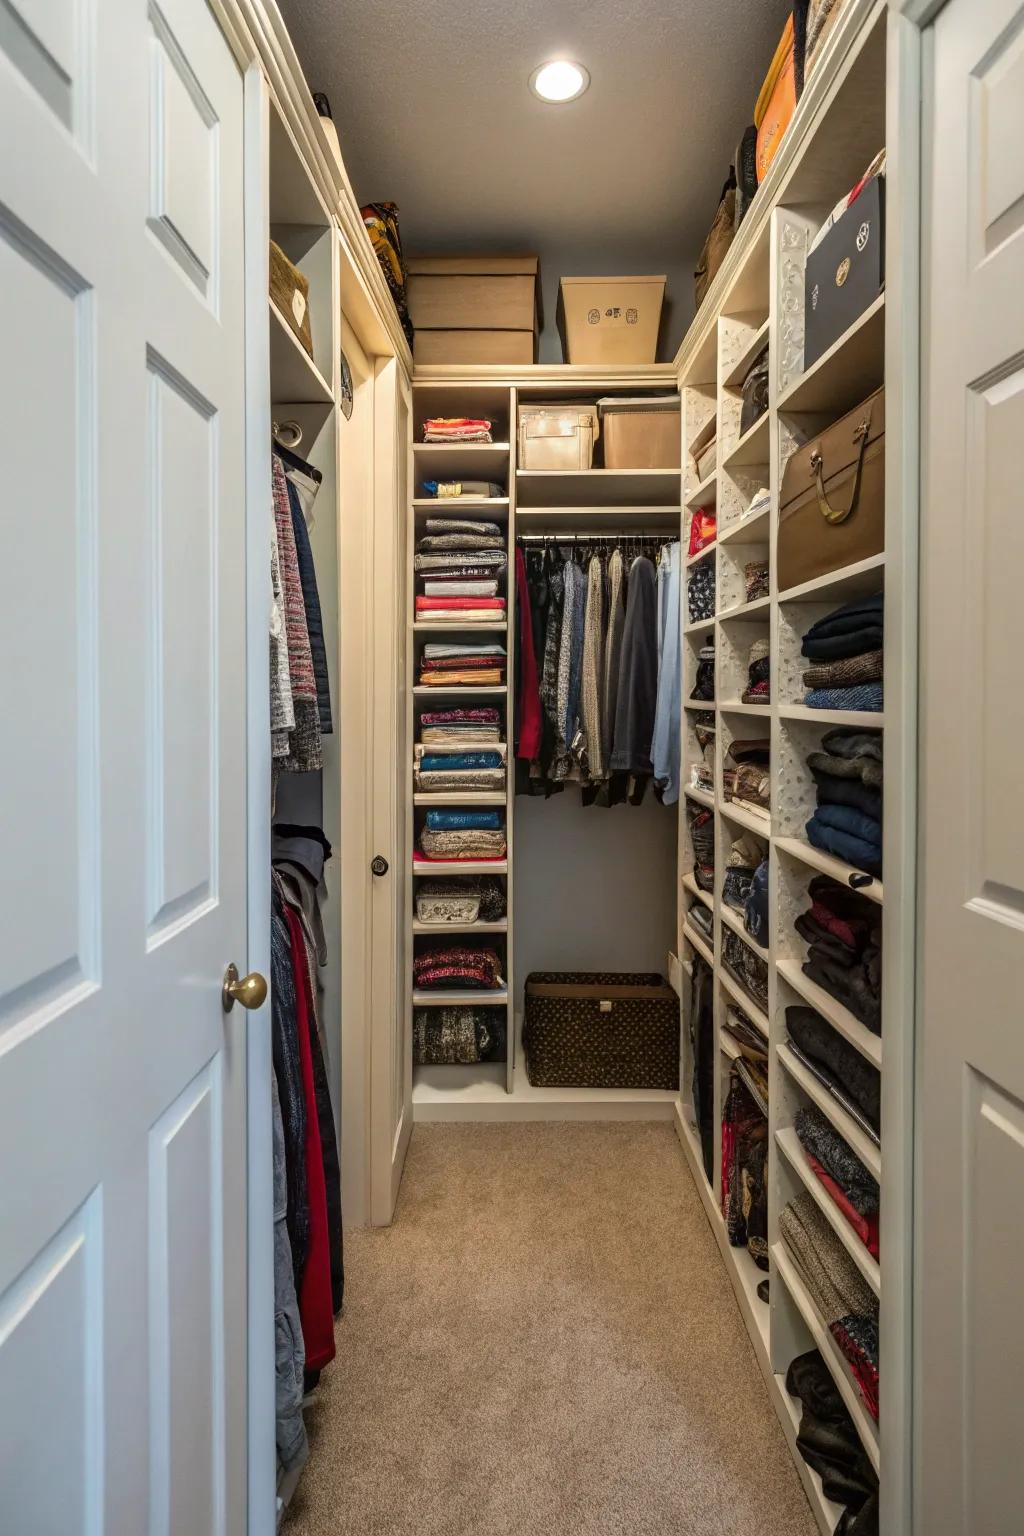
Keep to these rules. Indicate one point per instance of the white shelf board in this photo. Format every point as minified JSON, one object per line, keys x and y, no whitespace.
{"x":789,"y":1144}
{"x":845,"y":1124}
{"x":483,"y":1097}
{"x":450,"y":626}
{"x":742,"y":998}
{"x":440,"y":798}
{"x":496,"y":504}
{"x":868,"y":719}
{"x":746,"y":610}
{"x":753,"y":349}
{"x":861,"y":579}
{"x":699,"y":943}
{"x":690,"y":885}
{"x":841,"y":1019}
{"x":707,"y":705}
{"x":748,"y":530}
{"x":703,"y":436}
{"x":752,"y":447}
{"x":701,"y":796}
{"x":828,"y":864}
{"x":699,"y":627}
{"x":431,"y":867}
{"x":706,"y":493}
{"x":463,"y":453}
{"x":737,"y":707}
{"x":490,"y":691}
{"x":865,"y":1425}
{"x":760,"y":825}
{"x":702,"y":554}
{"x":438,"y":997}
{"x":294,"y":377}
{"x":851,"y":370}
{"x":728,"y":1046}
{"x":597,"y":487}
{"x":599,"y":520}
{"x":438,"y":928}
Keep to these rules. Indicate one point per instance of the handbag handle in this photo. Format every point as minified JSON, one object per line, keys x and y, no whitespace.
{"x":832,"y":514}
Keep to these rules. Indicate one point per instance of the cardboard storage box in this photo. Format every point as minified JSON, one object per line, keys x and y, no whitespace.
{"x":845,"y":272}
{"x":610,"y":319}
{"x":557,"y":436}
{"x":494,"y":299}
{"x":641,"y":432}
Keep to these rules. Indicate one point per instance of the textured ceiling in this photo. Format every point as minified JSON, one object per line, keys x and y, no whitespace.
{"x":434,"y":113}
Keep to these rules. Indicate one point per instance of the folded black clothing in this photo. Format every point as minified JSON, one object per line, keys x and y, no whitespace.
{"x":834,"y":790}
{"x":702,"y":919}
{"x":844,"y":818}
{"x":861,"y":1522}
{"x":862,"y":610}
{"x":850,"y":987}
{"x":819,"y":1137}
{"x":839,"y":1061}
{"x":853,"y":642}
{"x":846,"y":904}
{"x":808,"y":927}
{"x":828,"y":1439}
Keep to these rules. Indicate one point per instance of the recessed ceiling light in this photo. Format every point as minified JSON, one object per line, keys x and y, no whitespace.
{"x":559,"y":81}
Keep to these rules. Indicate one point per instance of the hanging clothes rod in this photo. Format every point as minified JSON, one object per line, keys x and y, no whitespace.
{"x":627,"y":536}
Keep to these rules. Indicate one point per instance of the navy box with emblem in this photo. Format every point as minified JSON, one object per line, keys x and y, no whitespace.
{"x":846,"y":273}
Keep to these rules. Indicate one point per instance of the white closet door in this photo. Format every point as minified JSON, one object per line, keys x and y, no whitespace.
{"x":970,"y":1155}
{"x":122,"y":779}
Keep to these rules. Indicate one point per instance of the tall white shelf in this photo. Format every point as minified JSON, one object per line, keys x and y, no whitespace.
{"x":758,"y":302}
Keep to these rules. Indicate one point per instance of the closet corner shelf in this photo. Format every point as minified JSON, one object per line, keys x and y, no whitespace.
{"x":866,"y":1427}
{"x":706,"y":494}
{"x":701,"y":945}
{"x":455,"y":996}
{"x":748,"y":530}
{"x":294,"y":377}
{"x":596,"y":487}
{"x":431,"y":867}
{"x":788,"y":1143}
{"x":440,"y":928}
{"x":844,"y":1123}
{"x":746,"y":610}
{"x":743,"y":999}
{"x":693,"y":889}
{"x":861,"y":579}
{"x":841,"y":1019}
{"x":752,"y":447}
{"x":851,"y":369}
{"x":867,"y":719}
{"x":760,"y":825}
{"x":699,"y":627}
{"x":702,"y":554}
{"x":753,"y":349}
{"x":828,"y":864}
{"x":439,"y":798}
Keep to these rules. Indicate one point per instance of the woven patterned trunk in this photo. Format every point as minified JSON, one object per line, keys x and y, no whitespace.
{"x":598,"y":1029}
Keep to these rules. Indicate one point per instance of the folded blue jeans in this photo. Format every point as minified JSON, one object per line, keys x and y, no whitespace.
{"x":855,"y":851}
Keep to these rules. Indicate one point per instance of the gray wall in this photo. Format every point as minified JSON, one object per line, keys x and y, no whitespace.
{"x":594,"y":888}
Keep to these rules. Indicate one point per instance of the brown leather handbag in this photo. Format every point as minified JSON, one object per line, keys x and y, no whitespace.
{"x":832,"y":503}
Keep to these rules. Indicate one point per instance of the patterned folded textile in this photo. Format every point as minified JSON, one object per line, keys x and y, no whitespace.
{"x":457,"y":965}
{"x":745,"y":854}
{"x":472,"y":541}
{"x":744,"y":1168}
{"x":703,"y":919}
{"x":451,"y":490}
{"x":464,"y":821}
{"x":480,"y":563}
{"x":475,"y":735}
{"x":459,"y":572}
{"x":447,"y":762}
{"x":866,"y":668}
{"x":484,"y":714}
{"x":702,"y":840}
{"x":865,"y":1227}
{"x":745,"y":967}
{"x":462,"y":664}
{"x":700,"y":592}
{"x":462,"y":845}
{"x":745,"y":1032}
{"x":755,"y":579}
{"x":483,"y":679}
{"x":757,"y":693}
{"x":460,"y":589}
{"x":749,"y":783}
{"x":866,"y":696}
{"x":463,"y":525}
{"x":820,"y":1140}
{"x":466,"y":778}
{"x":461,"y":898}
{"x":457,"y":1036}
{"x":838,"y":1064}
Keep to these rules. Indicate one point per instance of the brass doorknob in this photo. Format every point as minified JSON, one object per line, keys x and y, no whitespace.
{"x":250,"y":991}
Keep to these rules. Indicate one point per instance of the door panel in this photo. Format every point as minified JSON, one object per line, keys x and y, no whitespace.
{"x":122,"y":1083}
{"x":970,"y":1124}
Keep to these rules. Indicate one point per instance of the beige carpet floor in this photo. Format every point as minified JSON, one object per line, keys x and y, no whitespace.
{"x":545,"y":1343}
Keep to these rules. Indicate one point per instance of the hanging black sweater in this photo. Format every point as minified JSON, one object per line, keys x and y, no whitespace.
{"x":637,"y":698}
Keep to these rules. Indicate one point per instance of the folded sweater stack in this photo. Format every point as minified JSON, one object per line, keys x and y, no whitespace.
{"x":458,"y":771}
{"x":848,"y":774}
{"x":843,"y":931}
{"x":758,"y":689}
{"x":457,"y":1035}
{"x":444,"y":966}
{"x":746,"y":777}
{"x":462,"y":727}
{"x":457,"y":429}
{"x":841,"y":1173}
{"x":462,"y":666}
{"x":845,"y":651}
{"x":460,"y":562}
{"x":849,"y":1078}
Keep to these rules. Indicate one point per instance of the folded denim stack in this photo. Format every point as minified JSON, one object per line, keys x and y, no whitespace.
{"x":700,"y":592}
{"x":702,"y":841}
{"x":845,"y":649}
{"x":758,"y":689}
{"x":462,"y":727}
{"x":745,"y":967}
{"x":460,"y":563}
{"x":843,"y":931}
{"x":841,"y":1173}
{"x":457,"y":666}
{"x":746,"y":775}
{"x":839,"y":1291}
{"x":447,"y":771}
{"x":848,"y":773}
{"x":853,"y":1081}
{"x":702,"y":771}
{"x":457,"y":1036}
{"x":704,"y":683}
{"x":829,"y":1443}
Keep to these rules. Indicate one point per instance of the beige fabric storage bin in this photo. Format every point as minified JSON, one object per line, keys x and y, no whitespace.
{"x":514,"y":347}
{"x":610,"y":319}
{"x":474,"y":309}
{"x":557,"y":436}
{"x":641,"y":433}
